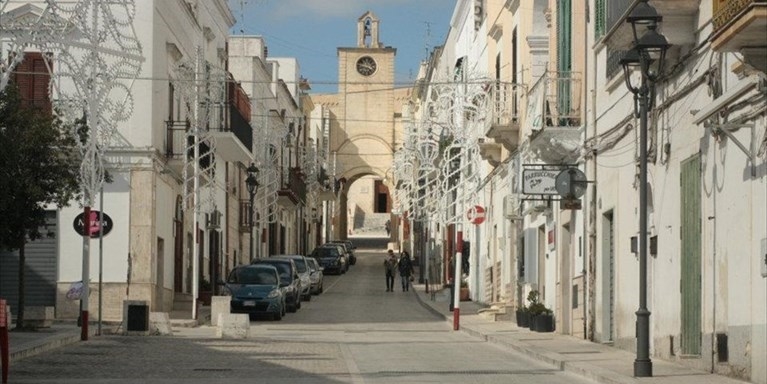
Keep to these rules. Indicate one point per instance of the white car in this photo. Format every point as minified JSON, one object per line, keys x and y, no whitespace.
{"x":303,"y":273}
{"x":317,"y":276}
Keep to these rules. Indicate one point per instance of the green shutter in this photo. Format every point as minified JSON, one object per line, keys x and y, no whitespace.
{"x":600,"y":13}
{"x":691,"y":255}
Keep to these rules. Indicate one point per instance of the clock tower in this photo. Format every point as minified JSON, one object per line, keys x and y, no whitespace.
{"x":365,"y":123}
{"x":366,"y":73}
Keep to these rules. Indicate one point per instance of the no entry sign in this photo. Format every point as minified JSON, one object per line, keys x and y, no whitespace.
{"x":476,"y":215}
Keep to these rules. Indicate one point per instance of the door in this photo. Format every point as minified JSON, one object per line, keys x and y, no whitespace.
{"x":691,"y":255}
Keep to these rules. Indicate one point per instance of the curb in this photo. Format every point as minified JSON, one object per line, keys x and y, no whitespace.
{"x":38,"y":347}
{"x":556,"y":360}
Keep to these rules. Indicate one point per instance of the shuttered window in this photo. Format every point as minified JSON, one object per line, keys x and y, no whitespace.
{"x":32,"y":78}
{"x":599,"y":18}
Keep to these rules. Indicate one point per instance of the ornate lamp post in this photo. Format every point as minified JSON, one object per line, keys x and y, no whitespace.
{"x":647,"y":54}
{"x":252,"y":184}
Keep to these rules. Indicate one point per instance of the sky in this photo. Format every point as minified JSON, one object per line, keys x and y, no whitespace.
{"x":312,"y":30}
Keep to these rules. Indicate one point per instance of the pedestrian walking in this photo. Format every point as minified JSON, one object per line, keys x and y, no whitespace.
{"x":388,"y":227}
{"x":405,"y":266}
{"x":390,"y":265}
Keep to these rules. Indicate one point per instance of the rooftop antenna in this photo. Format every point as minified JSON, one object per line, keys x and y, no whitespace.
{"x":427,"y":39}
{"x":242,"y":15}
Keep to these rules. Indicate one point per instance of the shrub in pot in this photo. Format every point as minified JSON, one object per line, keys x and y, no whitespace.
{"x":523,"y":317}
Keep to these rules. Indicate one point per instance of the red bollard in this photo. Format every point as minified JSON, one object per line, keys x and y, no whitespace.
{"x":4,"y":349}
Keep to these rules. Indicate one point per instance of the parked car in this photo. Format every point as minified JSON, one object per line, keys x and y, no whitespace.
{"x":342,"y":248}
{"x":349,"y":247}
{"x":331,"y":257}
{"x":317,"y":275}
{"x":303,"y":273}
{"x":255,"y":289}
{"x":290,"y":282}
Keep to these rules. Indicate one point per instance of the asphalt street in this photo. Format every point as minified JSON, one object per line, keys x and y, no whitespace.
{"x":355,"y":332}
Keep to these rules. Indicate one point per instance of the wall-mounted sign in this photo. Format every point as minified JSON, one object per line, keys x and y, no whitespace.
{"x":539,"y":181}
{"x":476,"y":215}
{"x":94,"y":223}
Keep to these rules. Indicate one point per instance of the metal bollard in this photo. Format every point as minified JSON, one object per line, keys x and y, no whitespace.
{"x":4,"y":349}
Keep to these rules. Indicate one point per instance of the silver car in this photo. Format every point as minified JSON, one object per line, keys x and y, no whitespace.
{"x":317,"y":276}
{"x":303,"y":272}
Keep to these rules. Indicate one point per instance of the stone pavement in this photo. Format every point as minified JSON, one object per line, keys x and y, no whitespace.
{"x":601,"y":363}
{"x":598,"y":362}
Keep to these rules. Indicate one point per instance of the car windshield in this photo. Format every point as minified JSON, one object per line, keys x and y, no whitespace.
{"x":325,"y":252}
{"x":300,"y":265}
{"x":282,"y":267}
{"x":253,"y":276}
{"x":312,"y":264}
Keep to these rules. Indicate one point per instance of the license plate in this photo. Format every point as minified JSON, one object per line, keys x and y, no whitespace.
{"x":249,"y":303}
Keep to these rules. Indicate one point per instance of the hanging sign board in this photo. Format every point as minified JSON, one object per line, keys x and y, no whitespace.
{"x":94,"y":223}
{"x":540,"y":181}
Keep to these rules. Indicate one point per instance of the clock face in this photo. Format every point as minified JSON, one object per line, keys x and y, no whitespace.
{"x":366,"y":66}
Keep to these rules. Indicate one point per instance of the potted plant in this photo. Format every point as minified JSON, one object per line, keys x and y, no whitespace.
{"x":523,"y":317}
{"x":541,"y":318}
{"x":464,"y":293}
{"x":544,"y":321}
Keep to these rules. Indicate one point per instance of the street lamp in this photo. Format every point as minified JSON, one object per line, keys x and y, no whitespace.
{"x":647,"y":54}
{"x":252,"y":184}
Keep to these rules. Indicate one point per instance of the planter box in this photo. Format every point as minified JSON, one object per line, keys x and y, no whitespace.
{"x":543,"y":323}
{"x":523,"y":318}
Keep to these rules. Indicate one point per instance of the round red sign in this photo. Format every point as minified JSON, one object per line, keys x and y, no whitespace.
{"x":476,"y":214}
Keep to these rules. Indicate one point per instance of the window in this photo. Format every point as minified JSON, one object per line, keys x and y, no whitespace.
{"x":599,"y":18}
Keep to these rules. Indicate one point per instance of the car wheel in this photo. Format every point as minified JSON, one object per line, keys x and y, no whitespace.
{"x":308,"y":297}
{"x":277,"y":316}
{"x":298,"y":302}
{"x":292,"y":308}
{"x":321,"y":289}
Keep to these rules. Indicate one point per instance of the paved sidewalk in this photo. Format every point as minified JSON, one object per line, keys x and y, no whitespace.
{"x":598,"y":362}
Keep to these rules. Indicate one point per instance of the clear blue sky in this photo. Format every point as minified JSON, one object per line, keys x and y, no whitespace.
{"x":312,"y":30}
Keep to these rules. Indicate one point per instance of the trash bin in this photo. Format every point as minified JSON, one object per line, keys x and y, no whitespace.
{"x":452,"y":296}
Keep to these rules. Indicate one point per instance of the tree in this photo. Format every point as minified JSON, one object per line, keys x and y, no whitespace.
{"x":39,"y":166}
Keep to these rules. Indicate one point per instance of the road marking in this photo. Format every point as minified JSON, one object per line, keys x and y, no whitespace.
{"x":334,"y":283}
{"x":351,"y":365}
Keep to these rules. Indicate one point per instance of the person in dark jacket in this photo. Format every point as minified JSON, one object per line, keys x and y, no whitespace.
{"x":405,"y":266}
{"x":390,"y":265}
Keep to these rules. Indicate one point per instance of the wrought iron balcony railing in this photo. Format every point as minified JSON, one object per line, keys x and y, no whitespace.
{"x":726,"y":11}
{"x":555,"y":101}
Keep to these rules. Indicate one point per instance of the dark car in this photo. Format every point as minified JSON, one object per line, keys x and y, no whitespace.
{"x":331,"y":257}
{"x":303,"y":273}
{"x":290,"y":282}
{"x":349,"y":246}
{"x":255,"y":289}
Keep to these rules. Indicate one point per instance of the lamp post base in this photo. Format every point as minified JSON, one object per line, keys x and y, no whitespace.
{"x":642,"y":368}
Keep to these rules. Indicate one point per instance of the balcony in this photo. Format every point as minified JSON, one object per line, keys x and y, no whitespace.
{"x":234,"y":140}
{"x":179,"y":143}
{"x":679,"y":22}
{"x":230,"y":134}
{"x":739,"y":26}
{"x":292,"y":193}
{"x":503,"y":125}
{"x":554,"y":116}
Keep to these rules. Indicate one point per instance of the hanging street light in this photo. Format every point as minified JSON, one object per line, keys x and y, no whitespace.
{"x":251,"y":182}
{"x":648,"y":55}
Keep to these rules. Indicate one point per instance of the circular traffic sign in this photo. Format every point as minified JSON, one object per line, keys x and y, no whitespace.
{"x":571,"y":183}
{"x":476,"y":214}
